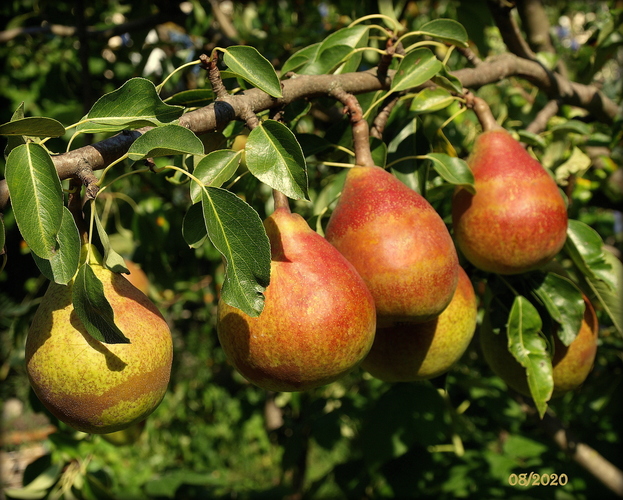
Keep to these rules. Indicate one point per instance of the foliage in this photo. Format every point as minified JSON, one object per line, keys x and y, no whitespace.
{"x":188,"y":207}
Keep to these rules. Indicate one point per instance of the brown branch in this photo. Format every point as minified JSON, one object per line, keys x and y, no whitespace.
{"x":216,"y":115}
{"x":539,"y":124}
{"x":502,"y":15}
{"x":378,"y":126}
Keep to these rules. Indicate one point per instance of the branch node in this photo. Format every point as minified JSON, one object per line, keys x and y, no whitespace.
{"x":89,"y":180}
{"x":210,"y":64}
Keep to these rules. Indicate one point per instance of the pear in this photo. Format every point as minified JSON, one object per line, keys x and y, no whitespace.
{"x":517,"y":220}
{"x":571,"y":365}
{"x":94,"y":386}
{"x":137,"y":276}
{"x":318,"y":320}
{"x":398,"y":243}
{"x":410,"y":352}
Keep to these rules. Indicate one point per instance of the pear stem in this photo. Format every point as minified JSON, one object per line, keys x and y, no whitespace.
{"x":280,"y":200}
{"x":482,"y":111}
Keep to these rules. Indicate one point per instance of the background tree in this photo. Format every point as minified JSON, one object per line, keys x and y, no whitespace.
{"x":550,"y":73}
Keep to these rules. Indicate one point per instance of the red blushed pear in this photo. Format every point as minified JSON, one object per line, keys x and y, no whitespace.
{"x":94,"y":386}
{"x":571,"y":364}
{"x":410,"y":352}
{"x":318,"y":320}
{"x":517,"y":220}
{"x":398,"y":243}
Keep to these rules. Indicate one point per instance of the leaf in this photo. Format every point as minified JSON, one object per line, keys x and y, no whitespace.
{"x":275,"y":157}
{"x":453,"y":170}
{"x":62,"y":266}
{"x":530,"y":349}
{"x":448,"y":81}
{"x":532,"y":138}
{"x":135,"y":104}
{"x":36,"y":197}
{"x":93,"y":308}
{"x":194,"y":227}
{"x":253,"y":67}
{"x":564,"y":303}
{"x":572,"y":126}
{"x":300,"y":58}
{"x":166,"y":140}
{"x":610,"y":298}
{"x":214,"y":169}
{"x":336,"y":48}
{"x":576,"y":165}
{"x":447,"y":30}
{"x":14,"y":141}
{"x":417,"y":67}
{"x":194,"y":98}
{"x":39,"y":486}
{"x":112,"y":260}
{"x":33,"y":126}
{"x":236,"y":230}
{"x":429,"y":100}
{"x":585,"y":247}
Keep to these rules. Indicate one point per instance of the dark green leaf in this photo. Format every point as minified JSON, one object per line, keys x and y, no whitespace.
{"x":93,"y":308}
{"x":214,"y":170}
{"x":573,"y":126}
{"x":429,"y":100}
{"x":36,"y":197}
{"x":33,"y":126}
{"x":610,"y":298}
{"x":300,"y":58}
{"x":62,"y":266}
{"x":194,"y":226}
{"x":275,"y":157}
{"x":531,"y":138}
{"x":530,"y":349}
{"x":453,"y":170}
{"x":448,"y":81}
{"x":14,"y":141}
{"x":135,"y":104}
{"x":236,"y":230}
{"x":194,"y":98}
{"x":253,"y":67}
{"x":447,"y":30}
{"x":564,"y":303}
{"x":335,"y":49}
{"x":167,"y":140}
{"x":311,"y":144}
{"x":417,"y":67}
{"x":112,"y":260}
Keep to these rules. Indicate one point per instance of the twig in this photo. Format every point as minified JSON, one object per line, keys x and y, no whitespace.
{"x":470,"y":55}
{"x":502,"y":15}
{"x":210,"y":64}
{"x":378,"y":126}
{"x":482,"y":111}
{"x":539,"y":124}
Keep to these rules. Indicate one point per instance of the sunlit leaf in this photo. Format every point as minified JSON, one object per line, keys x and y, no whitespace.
{"x":214,"y":169}
{"x":34,"y":126}
{"x":253,"y":67}
{"x":453,"y":170}
{"x":165,"y":141}
{"x":417,"y":67}
{"x":447,"y":30}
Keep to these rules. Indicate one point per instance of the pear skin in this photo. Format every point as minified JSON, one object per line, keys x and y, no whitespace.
{"x":410,"y":352}
{"x":398,"y":243}
{"x":517,"y":220}
{"x":318,"y":320}
{"x":93,"y":386}
{"x":571,"y":365}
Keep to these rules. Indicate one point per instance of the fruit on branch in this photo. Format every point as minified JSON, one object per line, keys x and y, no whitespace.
{"x":517,"y":220}
{"x":94,"y":386}
{"x":137,"y":276}
{"x":409,"y":352}
{"x":398,"y":243}
{"x":571,"y":365}
{"x":318,"y":320}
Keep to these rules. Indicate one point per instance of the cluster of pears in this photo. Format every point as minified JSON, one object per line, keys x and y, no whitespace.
{"x":94,"y":386}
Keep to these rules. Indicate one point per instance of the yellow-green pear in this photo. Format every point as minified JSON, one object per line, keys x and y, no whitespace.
{"x":93,"y":386}
{"x":420,"y":351}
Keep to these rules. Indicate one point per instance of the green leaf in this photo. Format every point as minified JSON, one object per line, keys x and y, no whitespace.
{"x":453,"y":170}
{"x":62,"y":266}
{"x":572,"y":126}
{"x":300,"y":58}
{"x":531,"y":138}
{"x":447,"y":30}
{"x":14,"y":141}
{"x":529,"y":348}
{"x":236,"y":230}
{"x":585,"y":247}
{"x":93,"y":308}
{"x":447,"y":80}
{"x":610,"y":298}
{"x":215,"y":169}
{"x":112,"y":260}
{"x":167,"y":140}
{"x":430,"y":100}
{"x":253,"y":67}
{"x":335,"y":49}
{"x":33,"y":126}
{"x":135,"y":104}
{"x":417,"y":67}
{"x":39,"y":486}
{"x":577,"y":164}
{"x":275,"y":157}
{"x":564,"y":303}
{"x":36,"y":197}
{"x":194,"y":98}
{"x":194,"y":226}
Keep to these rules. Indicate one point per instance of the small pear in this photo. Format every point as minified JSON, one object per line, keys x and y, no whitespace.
{"x":517,"y":220}
{"x":410,"y":352}
{"x":571,"y":365}
{"x":318,"y":319}
{"x":93,"y":386}
{"x":398,"y":243}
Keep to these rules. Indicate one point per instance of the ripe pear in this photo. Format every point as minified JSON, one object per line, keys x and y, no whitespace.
{"x":410,"y":352}
{"x":137,"y":276}
{"x":318,"y":319}
{"x":571,"y":365}
{"x":517,"y":220}
{"x":398,"y":243}
{"x":93,"y":386}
